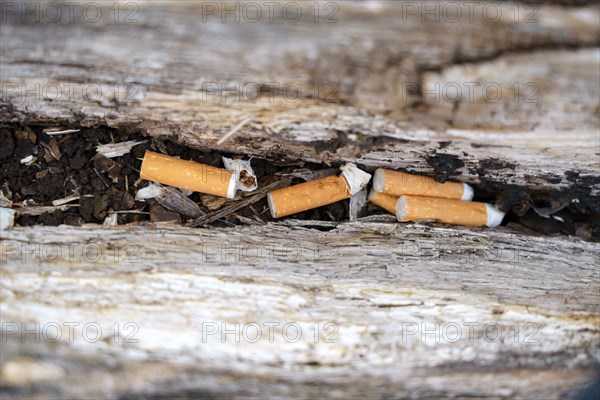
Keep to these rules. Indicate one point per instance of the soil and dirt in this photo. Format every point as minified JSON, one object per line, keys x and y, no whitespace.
{"x":68,"y":164}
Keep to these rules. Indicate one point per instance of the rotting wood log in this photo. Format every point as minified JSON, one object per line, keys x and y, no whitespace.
{"x":541,"y":127}
{"x":373,"y":290}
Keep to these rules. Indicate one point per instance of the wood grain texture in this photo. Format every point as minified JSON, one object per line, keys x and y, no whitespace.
{"x":374,"y":283}
{"x":164,"y":81}
{"x":362,"y":85}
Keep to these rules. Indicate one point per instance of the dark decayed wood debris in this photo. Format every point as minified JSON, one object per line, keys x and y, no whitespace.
{"x":70,"y":182}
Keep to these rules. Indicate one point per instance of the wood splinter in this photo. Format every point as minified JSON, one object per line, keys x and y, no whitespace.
{"x":317,"y":193}
{"x":190,"y":175}
{"x":398,"y":183}
{"x":448,"y":211}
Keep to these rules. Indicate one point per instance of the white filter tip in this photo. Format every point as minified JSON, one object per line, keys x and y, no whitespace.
{"x":379,"y":180}
{"x":401,"y":209}
{"x":271,"y":205}
{"x":231,"y":189}
{"x":468,"y":192}
{"x":356,"y":178}
{"x":494,"y":216}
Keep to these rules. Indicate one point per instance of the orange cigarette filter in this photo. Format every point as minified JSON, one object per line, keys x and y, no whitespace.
{"x":385,"y":201}
{"x":317,"y":193}
{"x":447,"y":211}
{"x":188,"y":175}
{"x":398,"y":183}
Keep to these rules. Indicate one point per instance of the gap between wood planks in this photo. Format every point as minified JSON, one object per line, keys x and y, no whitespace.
{"x":107,"y":187}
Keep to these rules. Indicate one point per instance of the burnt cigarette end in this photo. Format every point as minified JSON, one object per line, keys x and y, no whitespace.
{"x":247,"y":180}
{"x":245,"y":176}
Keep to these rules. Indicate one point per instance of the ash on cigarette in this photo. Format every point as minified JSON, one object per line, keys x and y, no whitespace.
{"x":247,"y":179}
{"x":68,"y":165}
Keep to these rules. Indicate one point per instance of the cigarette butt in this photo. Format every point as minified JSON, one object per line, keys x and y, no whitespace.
{"x":448,"y":211}
{"x":308,"y":195}
{"x":385,"y":201}
{"x":317,"y":193}
{"x":399,"y":183}
{"x":188,"y":175}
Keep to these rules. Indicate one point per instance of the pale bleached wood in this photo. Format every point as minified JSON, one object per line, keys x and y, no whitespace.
{"x":371,"y":280}
{"x":371,"y":55}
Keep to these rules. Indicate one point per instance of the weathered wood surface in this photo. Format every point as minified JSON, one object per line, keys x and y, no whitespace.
{"x":372,"y":280}
{"x":375,"y":283}
{"x":159,"y":75}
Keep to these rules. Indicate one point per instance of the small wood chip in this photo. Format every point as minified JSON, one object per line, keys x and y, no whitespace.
{"x":51,"y":131}
{"x":234,"y":130}
{"x":60,"y":202}
{"x":52,"y":150}
{"x":308,"y":174}
{"x":214,"y":202}
{"x":170,"y":198}
{"x":4,"y":201}
{"x":160,"y":214}
{"x":301,"y":222}
{"x":28,"y":160}
{"x":112,"y":150}
{"x":39,"y":210}
{"x":110,"y":220}
{"x":258,"y":195}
